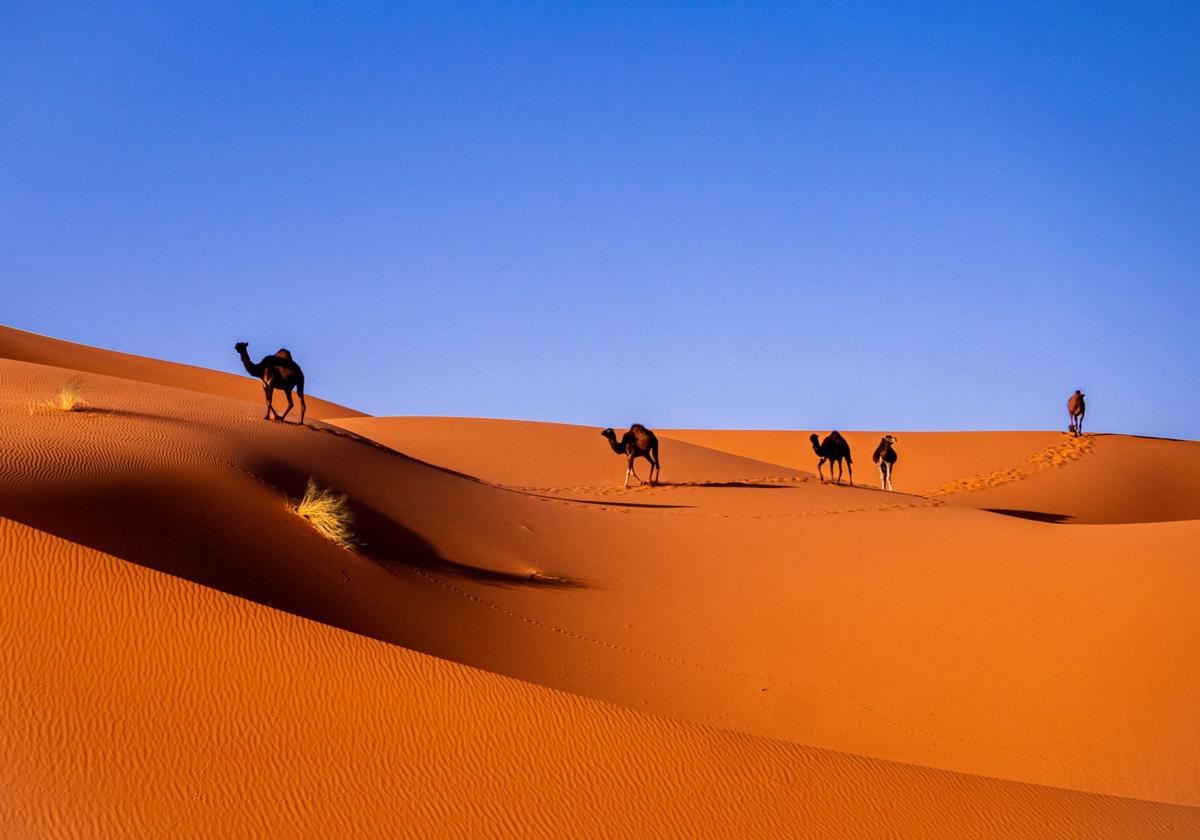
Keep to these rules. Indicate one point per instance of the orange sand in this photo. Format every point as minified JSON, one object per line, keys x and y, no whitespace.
{"x":743,"y":651}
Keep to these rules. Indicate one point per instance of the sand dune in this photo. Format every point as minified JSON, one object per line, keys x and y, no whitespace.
{"x":928,"y":460}
{"x":548,"y":456}
{"x":138,"y":704}
{"x":29,"y":347}
{"x":762,"y":619}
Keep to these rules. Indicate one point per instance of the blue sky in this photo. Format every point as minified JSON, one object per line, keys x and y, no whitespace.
{"x":726,"y":215}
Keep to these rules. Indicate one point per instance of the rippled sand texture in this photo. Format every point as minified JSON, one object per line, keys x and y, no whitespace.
{"x":740,"y":652}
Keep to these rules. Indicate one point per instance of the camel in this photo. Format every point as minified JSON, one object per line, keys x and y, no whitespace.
{"x":886,"y":458}
{"x":1075,"y":410}
{"x":279,"y":371}
{"x":833,"y":449}
{"x":638,"y":442}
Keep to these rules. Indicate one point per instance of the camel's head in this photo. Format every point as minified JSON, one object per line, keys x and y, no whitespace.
{"x":889,"y":439}
{"x":241,"y":346}
{"x":609,"y":433}
{"x":815,"y":439}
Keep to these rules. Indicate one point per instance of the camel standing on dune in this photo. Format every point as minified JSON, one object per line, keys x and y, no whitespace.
{"x":833,"y":449}
{"x":1075,"y":410}
{"x":885,"y":456}
{"x":638,"y":442}
{"x":278,"y":371}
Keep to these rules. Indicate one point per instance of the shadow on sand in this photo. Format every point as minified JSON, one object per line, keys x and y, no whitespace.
{"x":388,"y":543}
{"x":1034,"y":515}
{"x":178,"y":525}
{"x":745,"y":485}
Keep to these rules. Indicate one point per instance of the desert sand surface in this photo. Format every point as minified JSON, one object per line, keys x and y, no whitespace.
{"x":23,"y":346}
{"x":520,"y":646}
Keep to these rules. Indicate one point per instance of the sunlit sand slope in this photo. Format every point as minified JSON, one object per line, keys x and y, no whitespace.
{"x":137,"y":705}
{"x":927,"y":459}
{"x":553,"y":457}
{"x":29,"y":347}
{"x":1111,"y":478}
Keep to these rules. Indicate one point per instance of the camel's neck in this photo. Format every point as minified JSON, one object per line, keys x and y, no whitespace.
{"x":616,"y":446}
{"x":251,"y":368}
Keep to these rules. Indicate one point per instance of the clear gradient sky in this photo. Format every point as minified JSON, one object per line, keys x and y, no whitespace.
{"x":724,"y":215}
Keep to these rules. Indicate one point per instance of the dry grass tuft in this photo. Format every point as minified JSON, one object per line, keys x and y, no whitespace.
{"x":328,"y":513}
{"x":69,"y":398}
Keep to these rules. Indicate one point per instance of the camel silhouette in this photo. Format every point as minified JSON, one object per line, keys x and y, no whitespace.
{"x":833,"y":449}
{"x":885,"y":456}
{"x":1075,"y":411}
{"x":638,"y":442}
{"x":280,"y":372}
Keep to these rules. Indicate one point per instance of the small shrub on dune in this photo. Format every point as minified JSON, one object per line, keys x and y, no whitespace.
{"x":69,"y":398}
{"x":328,"y":513}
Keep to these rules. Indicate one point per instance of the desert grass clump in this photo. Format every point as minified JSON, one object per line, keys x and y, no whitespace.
{"x":69,"y":398}
{"x":328,"y":513}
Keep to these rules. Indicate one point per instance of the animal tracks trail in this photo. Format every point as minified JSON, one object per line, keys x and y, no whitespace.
{"x":668,"y":503}
{"x":1067,"y":452}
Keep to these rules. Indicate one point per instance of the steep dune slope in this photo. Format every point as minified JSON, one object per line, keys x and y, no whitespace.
{"x":136,"y":704}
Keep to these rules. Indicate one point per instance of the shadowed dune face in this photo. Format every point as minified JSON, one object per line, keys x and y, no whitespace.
{"x":740,"y":595}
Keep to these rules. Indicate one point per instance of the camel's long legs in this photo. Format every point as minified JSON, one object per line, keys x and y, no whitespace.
{"x":269,"y":393}
{"x":653,"y":467}
{"x":303,"y":404}
{"x":631,"y":471}
{"x":821,"y":475}
{"x":287,"y":392}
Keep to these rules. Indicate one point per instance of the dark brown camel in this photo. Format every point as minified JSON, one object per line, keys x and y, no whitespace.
{"x":833,"y":449}
{"x":638,"y":442}
{"x":886,"y":458}
{"x":280,"y":372}
{"x":1075,"y":410}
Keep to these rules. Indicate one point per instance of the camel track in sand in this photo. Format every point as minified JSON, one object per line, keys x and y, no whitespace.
{"x":1065,"y":453}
